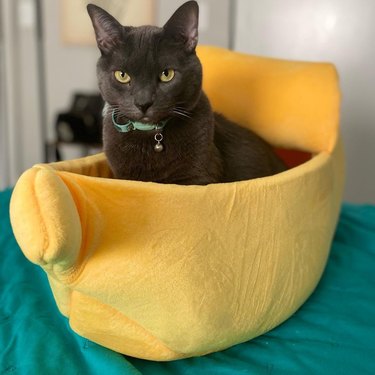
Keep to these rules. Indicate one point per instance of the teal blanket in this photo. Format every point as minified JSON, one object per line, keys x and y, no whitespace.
{"x":333,"y":333}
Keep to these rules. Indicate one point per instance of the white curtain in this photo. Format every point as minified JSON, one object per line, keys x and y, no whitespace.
{"x":21,"y":141}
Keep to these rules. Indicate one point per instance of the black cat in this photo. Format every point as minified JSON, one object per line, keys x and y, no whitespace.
{"x":158,"y":123}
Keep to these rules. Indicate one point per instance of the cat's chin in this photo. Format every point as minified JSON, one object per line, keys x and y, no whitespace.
{"x":147,"y":120}
{"x":151,"y":119}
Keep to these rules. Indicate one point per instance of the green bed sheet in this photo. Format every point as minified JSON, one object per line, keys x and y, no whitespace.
{"x":333,"y":333}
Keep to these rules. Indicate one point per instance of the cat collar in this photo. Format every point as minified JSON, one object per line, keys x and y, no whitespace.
{"x":135,"y":125}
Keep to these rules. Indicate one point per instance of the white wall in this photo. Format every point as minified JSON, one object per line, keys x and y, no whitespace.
{"x":339,"y":31}
{"x":68,"y":68}
{"x":214,"y":19}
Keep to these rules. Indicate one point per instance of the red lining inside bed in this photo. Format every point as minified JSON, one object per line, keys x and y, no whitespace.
{"x":293,"y":158}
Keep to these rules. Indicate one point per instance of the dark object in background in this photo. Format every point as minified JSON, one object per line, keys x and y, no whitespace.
{"x":83,"y":122}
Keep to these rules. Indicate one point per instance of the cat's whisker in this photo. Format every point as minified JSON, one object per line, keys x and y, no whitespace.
{"x":179,"y":111}
{"x":184,"y":112}
{"x":115,"y":110}
{"x":108,"y":109}
{"x":121,"y":115}
{"x":181,"y":114}
{"x":183,"y":109}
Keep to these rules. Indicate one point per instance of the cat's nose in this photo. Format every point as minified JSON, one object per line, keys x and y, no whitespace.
{"x":144,"y":106}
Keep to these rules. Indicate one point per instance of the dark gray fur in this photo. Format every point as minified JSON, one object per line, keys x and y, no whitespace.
{"x":201,"y":147}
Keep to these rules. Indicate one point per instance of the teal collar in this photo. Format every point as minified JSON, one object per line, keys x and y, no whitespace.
{"x":135,"y":125}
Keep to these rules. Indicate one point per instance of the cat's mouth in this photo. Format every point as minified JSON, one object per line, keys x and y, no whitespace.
{"x":150,"y":117}
{"x":122,"y":118}
{"x":145,"y":119}
{"x":149,"y":120}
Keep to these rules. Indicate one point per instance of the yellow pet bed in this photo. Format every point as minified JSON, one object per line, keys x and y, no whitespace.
{"x":164,"y":271}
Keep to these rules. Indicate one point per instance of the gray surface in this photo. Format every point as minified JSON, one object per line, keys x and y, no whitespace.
{"x":340,"y":31}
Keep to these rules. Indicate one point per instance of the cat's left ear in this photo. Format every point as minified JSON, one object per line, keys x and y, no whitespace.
{"x":183,"y":25}
{"x":108,"y":30}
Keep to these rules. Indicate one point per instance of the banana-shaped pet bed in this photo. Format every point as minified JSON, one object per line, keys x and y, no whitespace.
{"x":165,"y":271}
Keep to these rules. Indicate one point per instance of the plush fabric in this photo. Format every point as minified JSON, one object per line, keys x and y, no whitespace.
{"x":330,"y":334}
{"x":163,"y":271}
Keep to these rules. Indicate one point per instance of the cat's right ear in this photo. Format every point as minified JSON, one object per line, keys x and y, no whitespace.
{"x":108,"y":30}
{"x":183,"y":25}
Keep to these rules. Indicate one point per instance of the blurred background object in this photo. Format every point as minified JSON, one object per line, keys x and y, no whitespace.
{"x":47,"y":61}
{"x":80,"y":125}
{"x":76,"y":27}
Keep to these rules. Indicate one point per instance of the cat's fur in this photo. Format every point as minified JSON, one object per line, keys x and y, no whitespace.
{"x":200,"y":147}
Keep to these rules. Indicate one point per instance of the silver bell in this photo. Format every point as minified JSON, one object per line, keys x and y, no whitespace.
{"x":158,"y":147}
{"x":158,"y":138}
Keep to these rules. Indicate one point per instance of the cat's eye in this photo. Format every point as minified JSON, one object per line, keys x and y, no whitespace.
{"x":122,"y":77}
{"x":167,"y":75}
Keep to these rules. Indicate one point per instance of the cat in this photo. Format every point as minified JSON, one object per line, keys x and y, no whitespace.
{"x":158,"y":124}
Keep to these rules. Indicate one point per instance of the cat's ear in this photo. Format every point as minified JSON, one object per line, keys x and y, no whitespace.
{"x":183,"y":25}
{"x":108,"y":30}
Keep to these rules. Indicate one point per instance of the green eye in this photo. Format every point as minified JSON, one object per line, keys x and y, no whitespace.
{"x":167,"y":75}
{"x":122,"y":77}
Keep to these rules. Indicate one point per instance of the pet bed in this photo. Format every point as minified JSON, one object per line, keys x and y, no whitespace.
{"x":164,"y":272}
{"x":332,"y":333}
